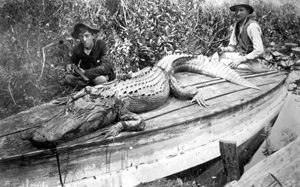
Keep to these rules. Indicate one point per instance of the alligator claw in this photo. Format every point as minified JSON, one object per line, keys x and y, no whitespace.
{"x":114,"y":130}
{"x":199,"y":100}
{"x":61,"y":101}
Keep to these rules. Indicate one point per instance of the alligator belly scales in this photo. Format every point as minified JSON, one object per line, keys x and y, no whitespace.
{"x":118,"y":101}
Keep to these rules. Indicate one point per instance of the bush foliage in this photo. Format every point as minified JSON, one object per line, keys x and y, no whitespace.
{"x":35,"y":38}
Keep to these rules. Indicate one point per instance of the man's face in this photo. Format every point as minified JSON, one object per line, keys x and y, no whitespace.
{"x":87,"y":39}
{"x":241,"y":13}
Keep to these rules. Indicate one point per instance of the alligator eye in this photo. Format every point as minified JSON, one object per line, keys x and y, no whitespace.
{"x":130,"y":92}
{"x":125,"y":92}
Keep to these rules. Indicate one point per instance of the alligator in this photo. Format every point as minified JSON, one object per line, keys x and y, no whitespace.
{"x":119,"y":101}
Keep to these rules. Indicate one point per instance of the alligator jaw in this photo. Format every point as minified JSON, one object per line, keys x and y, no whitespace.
{"x":81,"y":118}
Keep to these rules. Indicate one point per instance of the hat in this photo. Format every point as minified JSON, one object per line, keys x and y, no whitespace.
{"x":86,"y":23}
{"x":244,"y":3}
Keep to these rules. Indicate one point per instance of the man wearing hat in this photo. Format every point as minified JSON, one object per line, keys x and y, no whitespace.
{"x":90,"y":56}
{"x":246,"y":37}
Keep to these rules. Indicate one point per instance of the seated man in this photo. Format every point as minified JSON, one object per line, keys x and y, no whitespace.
{"x":246,"y":44}
{"x":91,"y":58}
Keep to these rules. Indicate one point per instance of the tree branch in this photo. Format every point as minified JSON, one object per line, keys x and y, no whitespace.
{"x":44,"y":59}
{"x":9,"y":89}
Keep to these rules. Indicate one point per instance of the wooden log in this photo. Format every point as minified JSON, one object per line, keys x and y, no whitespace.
{"x":229,"y":155}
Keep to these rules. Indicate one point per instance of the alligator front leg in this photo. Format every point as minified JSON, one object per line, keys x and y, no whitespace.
{"x":73,"y":97}
{"x":127,"y":122}
{"x":185,"y":93}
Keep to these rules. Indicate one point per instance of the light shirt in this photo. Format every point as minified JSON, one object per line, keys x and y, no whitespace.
{"x":87,"y":51}
{"x":255,"y":34}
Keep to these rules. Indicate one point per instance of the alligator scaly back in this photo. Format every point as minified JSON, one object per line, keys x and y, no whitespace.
{"x":210,"y":66}
{"x":146,"y":90}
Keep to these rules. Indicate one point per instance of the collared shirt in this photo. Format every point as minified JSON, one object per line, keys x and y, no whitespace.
{"x":255,"y":34}
{"x":96,"y":63}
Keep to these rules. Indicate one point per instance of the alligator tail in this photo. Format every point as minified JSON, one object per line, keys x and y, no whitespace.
{"x":211,"y":67}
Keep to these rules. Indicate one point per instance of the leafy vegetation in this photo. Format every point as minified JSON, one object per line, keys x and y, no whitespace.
{"x":35,"y":38}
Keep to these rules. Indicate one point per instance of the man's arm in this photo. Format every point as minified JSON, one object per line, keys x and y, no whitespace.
{"x":104,"y":69}
{"x":72,"y":60}
{"x":80,"y":72}
{"x":105,"y":66}
{"x":255,"y":34}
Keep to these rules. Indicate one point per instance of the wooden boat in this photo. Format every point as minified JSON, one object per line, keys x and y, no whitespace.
{"x":280,"y":169}
{"x":213,"y":172}
{"x":179,"y":135}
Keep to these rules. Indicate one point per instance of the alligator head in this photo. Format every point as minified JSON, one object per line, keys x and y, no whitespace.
{"x":78,"y":118}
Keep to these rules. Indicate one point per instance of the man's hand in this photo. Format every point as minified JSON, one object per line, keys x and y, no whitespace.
{"x":79,"y":72}
{"x":223,"y":49}
{"x":237,"y":61}
{"x":69,"y":69}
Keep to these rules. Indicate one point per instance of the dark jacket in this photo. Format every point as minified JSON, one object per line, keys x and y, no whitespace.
{"x":96,"y":63}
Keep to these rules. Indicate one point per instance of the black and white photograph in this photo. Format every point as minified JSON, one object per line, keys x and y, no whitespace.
{"x":149,"y":93}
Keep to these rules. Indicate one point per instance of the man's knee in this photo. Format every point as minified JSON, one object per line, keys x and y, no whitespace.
{"x":101,"y":79}
{"x":75,"y":81}
{"x":69,"y":79}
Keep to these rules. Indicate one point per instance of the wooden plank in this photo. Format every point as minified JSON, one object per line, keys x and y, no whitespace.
{"x":245,"y":152}
{"x":28,"y":119}
{"x":282,"y":168}
{"x":192,"y":79}
{"x":213,"y":81}
{"x":229,"y":155}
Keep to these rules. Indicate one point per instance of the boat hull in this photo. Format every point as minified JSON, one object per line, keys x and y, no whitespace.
{"x":179,"y":135}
